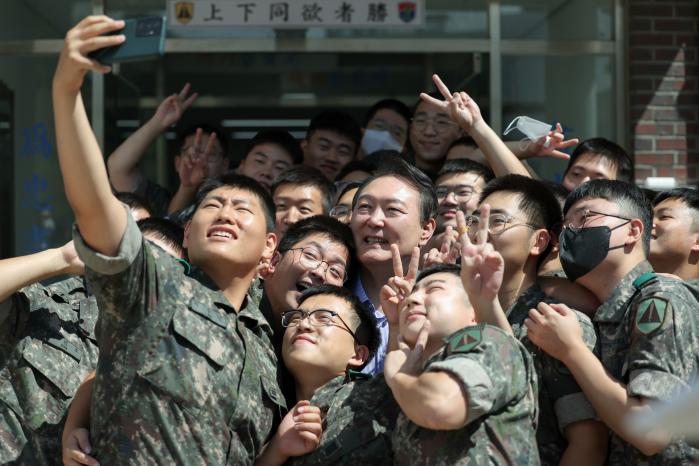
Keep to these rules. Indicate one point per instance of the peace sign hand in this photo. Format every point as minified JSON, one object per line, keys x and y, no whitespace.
{"x":447,"y":253}
{"x":173,"y":107}
{"x":398,"y":287}
{"x":482,"y":267}
{"x":405,"y":359}
{"x":462,"y":109}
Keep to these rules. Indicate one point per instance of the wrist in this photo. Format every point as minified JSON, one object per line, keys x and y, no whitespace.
{"x":479,"y":127}
{"x":274,"y":452}
{"x":154,"y":126}
{"x":573,"y":351}
{"x":187,"y":189}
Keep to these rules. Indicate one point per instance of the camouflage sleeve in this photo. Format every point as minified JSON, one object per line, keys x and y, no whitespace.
{"x":570,"y":404}
{"x":492,"y":372}
{"x":120,"y":283}
{"x":129,"y":248}
{"x":664,"y":344}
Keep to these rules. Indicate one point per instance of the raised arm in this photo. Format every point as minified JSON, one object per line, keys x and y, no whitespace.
{"x":434,"y":400}
{"x":19,"y":272}
{"x":482,"y":269}
{"x":100,"y":216}
{"x":464,"y":110}
{"x":123,"y":162}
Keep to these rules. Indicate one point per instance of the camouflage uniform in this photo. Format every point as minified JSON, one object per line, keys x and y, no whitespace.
{"x":48,"y":348}
{"x":649,"y":337}
{"x":360,"y":415}
{"x":498,"y":377}
{"x":561,"y":401}
{"x":182,"y":377}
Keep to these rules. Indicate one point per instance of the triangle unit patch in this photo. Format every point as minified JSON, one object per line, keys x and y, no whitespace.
{"x":651,"y":315}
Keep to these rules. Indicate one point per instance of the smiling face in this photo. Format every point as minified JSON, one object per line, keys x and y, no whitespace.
{"x":441,"y":298}
{"x":290,"y":277}
{"x":463,"y":190}
{"x":674,"y":236}
{"x":228,"y":227}
{"x":293,"y":203}
{"x":328,"y":151}
{"x":517,"y":243}
{"x":388,"y":211}
{"x":265,"y":162}
{"x":325,"y":351}
{"x":431,"y":134}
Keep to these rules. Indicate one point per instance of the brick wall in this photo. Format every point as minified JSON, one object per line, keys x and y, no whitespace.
{"x":663,"y":98}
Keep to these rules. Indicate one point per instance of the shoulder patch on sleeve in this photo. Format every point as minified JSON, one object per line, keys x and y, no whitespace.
{"x":465,"y":340}
{"x":651,"y":315}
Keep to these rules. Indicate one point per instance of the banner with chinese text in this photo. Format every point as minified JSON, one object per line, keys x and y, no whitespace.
{"x":295,"y":14}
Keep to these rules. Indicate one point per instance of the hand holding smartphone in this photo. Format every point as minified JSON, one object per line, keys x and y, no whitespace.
{"x":145,"y":39}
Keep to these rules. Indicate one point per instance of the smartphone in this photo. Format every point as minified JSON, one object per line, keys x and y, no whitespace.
{"x":145,"y":38}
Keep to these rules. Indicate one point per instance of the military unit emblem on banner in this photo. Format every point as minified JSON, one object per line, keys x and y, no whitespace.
{"x":406,"y":11}
{"x":651,"y":315}
{"x":184,"y":12}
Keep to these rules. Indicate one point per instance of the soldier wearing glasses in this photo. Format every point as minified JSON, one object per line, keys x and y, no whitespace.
{"x":648,"y":325}
{"x":327,"y":340}
{"x":314,"y":251}
{"x":432,"y":131}
{"x":458,"y":186}
{"x":522,"y":212}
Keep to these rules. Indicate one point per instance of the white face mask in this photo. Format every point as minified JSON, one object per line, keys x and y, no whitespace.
{"x":531,"y":128}
{"x":375,"y":140}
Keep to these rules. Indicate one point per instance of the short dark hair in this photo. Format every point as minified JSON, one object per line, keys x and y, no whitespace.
{"x":454,"y":269}
{"x":320,"y":225}
{"x":367,"y":331}
{"x":356,"y":166}
{"x":304,"y":175}
{"x":348,"y":187}
{"x":535,"y":198}
{"x":134,"y":201}
{"x":166,"y":230}
{"x":391,"y":104}
{"x":630,"y":198}
{"x":207,"y":128}
{"x":280,"y":138}
{"x":414,"y":178}
{"x":689,"y":196}
{"x":339,"y":122}
{"x":465,"y":166}
{"x":233,"y":180}
{"x":536,"y":201}
{"x":467,"y":141}
{"x":558,"y":190}
{"x":608,"y":150}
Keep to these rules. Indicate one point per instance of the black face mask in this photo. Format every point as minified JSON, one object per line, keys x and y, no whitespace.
{"x":584,"y":249}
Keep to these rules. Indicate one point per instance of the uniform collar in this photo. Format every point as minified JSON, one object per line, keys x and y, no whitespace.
{"x":614,"y":308}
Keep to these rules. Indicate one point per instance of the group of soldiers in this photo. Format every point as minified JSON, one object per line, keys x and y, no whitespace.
{"x":473,"y":316}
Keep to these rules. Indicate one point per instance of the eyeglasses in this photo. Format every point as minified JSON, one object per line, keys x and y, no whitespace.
{"x":310,"y":259}
{"x":461,"y":193}
{"x":441,"y":124}
{"x":497,"y":224}
{"x":317,"y":318}
{"x":339,"y":211}
{"x":587,"y":215}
